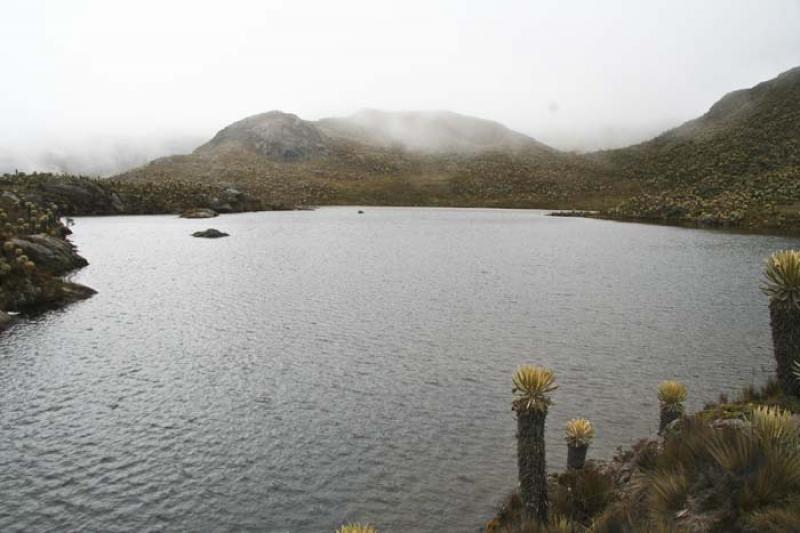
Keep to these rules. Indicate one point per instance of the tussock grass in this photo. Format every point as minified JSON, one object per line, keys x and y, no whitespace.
{"x":672,"y":394}
{"x":715,"y":473}
{"x":357,"y":528}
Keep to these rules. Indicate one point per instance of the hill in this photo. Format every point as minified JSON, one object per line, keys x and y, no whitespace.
{"x":429,"y":132}
{"x":738,"y":164}
{"x":375,"y":157}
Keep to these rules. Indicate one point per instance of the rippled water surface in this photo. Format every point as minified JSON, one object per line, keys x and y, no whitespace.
{"x":320,"y":367}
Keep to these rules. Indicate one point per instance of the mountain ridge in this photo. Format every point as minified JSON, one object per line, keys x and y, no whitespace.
{"x":737,"y":162}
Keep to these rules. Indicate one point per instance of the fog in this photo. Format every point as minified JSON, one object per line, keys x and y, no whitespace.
{"x":100,"y":86}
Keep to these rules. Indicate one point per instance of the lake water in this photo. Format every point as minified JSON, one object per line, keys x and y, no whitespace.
{"x":320,"y":367}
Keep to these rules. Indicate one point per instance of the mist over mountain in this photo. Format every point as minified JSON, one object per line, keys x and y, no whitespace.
{"x":739,"y":160}
{"x":747,"y":133}
{"x":428,"y":131}
{"x":101,"y":157}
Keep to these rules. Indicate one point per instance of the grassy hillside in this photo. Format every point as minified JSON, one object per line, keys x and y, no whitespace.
{"x":345,"y":169}
{"x":738,"y":164}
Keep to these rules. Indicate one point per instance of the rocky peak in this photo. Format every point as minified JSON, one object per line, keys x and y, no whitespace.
{"x":276,"y":135}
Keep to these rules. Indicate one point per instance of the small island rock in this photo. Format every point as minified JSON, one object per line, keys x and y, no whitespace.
{"x":210,"y":233}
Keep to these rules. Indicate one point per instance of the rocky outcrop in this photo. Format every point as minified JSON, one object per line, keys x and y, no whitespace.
{"x":5,"y":320}
{"x":76,"y":197}
{"x":57,"y":256}
{"x":34,"y":252}
{"x":275,"y":135}
{"x":199,"y":212}
{"x":80,"y":196}
{"x":227,"y":201}
{"x":40,"y":290}
{"x":210,"y":233}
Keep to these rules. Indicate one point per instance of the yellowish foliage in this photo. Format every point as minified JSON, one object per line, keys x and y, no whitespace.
{"x":782,"y":278}
{"x":357,"y":528}
{"x":579,"y":432}
{"x":672,"y":393}
{"x":532,"y":388}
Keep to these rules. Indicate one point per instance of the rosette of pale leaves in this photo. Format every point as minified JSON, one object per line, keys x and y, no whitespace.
{"x":782,"y":278}
{"x":579,"y":432}
{"x":796,"y":370}
{"x":532,"y":388}
{"x":357,"y":528}
{"x":672,"y":394}
{"x":775,"y":425}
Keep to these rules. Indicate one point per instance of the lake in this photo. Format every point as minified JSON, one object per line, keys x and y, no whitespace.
{"x":318,"y":367}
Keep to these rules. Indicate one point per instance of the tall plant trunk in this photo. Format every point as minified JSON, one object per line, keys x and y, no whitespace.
{"x":668,"y":415}
{"x":785,"y":323}
{"x":531,"y":463}
{"x":576,"y":456}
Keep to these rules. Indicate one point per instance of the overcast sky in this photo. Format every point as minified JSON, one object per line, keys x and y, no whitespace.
{"x":106,"y":83}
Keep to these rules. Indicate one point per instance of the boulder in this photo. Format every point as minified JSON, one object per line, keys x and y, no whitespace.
{"x":210,"y":233}
{"x":5,"y":320}
{"x":55,"y":255}
{"x":199,"y":212}
{"x":232,"y":200}
{"x":222,"y":206}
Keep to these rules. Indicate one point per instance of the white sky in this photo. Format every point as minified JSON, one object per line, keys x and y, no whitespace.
{"x":99,"y":79}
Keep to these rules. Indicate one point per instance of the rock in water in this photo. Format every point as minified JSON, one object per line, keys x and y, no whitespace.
{"x":210,"y":233}
{"x":199,"y":212}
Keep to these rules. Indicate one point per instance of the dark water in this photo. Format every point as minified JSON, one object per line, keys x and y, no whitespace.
{"x":320,"y":367}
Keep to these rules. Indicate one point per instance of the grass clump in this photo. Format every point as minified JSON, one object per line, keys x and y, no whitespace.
{"x":734,"y":473}
{"x":357,"y":528}
{"x":672,"y":394}
{"x":722,"y":475}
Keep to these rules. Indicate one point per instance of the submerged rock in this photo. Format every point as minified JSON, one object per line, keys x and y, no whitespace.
{"x":199,"y":212}
{"x":210,"y":233}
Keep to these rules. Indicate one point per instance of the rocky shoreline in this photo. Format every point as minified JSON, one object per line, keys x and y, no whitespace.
{"x":35,"y":253}
{"x":33,"y":267}
{"x":762,"y":226}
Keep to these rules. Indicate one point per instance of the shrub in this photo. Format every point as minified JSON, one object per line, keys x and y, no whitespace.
{"x":580,"y":495}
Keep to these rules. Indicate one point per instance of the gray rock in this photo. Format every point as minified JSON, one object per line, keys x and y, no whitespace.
{"x":116,"y":203}
{"x":275,"y":135}
{"x":50,"y":253}
{"x":5,"y":320}
{"x":221,"y":206}
{"x":210,"y":233}
{"x":199,"y":212}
